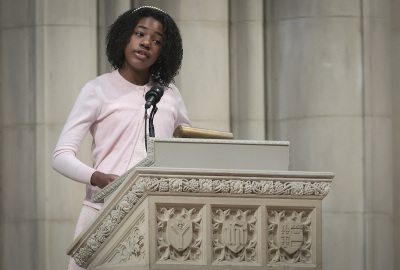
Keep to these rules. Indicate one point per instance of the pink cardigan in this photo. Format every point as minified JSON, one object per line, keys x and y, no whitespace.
{"x":111,"y":108}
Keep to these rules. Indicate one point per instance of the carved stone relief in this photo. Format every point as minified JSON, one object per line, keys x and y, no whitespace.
{"x":131,"y":248}
{"x":277,"y":187}
{"x":179,"y":234}
{"x":289,"y":236}
{"x":234,"y":235}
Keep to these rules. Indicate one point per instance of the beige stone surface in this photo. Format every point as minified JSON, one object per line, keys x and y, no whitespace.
{"x":377,"y":68}
{"x":66,"y":13}
{"x":58,"y":259}
{"x":378,"y":254}
{"x":18,"y":96}
{"x":204,"y":73}
{"x":17,"y":13}
{"x":67,"y":55}
{"x":34,"y":99}
{"x":287,"y":9}
{"x":247,"y":70}
{"x":395,"y":20}
{"x":323,"y":76}
{"x":19,"y":194}
{"x":108,"y":12}
{"x":21,"y":238}
{"x":344,"y":240}
{"x":338,"y":101}
{"x":395,"y":67}
{"x":379,"y":165}
{"x":190,"y":10}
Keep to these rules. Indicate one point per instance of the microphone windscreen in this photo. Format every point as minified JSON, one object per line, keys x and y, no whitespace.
{"x":153,"y":96}
{"x":156,"y":91}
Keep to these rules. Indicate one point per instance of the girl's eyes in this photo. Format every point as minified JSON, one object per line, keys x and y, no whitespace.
{"x":156,"y":41}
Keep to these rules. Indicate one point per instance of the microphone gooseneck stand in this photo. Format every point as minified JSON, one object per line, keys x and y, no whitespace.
{"x":145,"y":129}
{"x":152,"y":97}
{"x":151,"y":125}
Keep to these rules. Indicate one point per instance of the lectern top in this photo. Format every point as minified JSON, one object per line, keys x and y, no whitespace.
{"x":208,"y":154}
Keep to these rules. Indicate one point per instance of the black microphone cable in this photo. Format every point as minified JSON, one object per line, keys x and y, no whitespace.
{"x":145,"y":129}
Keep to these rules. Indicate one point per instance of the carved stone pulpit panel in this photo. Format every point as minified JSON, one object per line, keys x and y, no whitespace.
{"x":234,"y":235}
{"x":179,"y":234}
{"x":196,"y":218}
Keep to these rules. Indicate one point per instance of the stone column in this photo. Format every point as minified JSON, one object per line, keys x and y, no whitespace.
{"x":395,"y":53}
{"x":204,"y":77}
{"x":329,"y":93}
{"x":20,"y":222}
{"x":247,"y":69}
{"x":108,"y":12}
{"x":48,"y":52}
{"x":378,"y":144}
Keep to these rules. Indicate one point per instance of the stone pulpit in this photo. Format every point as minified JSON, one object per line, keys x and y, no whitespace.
{"x":208,"y":204}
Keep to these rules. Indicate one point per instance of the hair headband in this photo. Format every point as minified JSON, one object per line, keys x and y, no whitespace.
{"x":156,"y":8}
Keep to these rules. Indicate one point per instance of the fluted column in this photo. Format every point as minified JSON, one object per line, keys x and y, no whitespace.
{"x":108,"y":12}
{"x":395,"y":53}
{"x":48,"y":52}
{"x":330,"y":96}
{"x":247,"y":60}
{"x":18,"y":198}
{"x":378,"y":141}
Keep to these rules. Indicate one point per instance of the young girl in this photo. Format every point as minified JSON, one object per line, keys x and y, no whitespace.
{"x":144,"y":47}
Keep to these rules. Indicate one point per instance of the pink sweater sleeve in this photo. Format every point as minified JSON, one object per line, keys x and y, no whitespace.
{"x":182,"y":118}
{"x":83,"y":114}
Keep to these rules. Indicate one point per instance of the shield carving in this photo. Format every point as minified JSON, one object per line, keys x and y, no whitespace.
{"x":179,"y":233}
{"x":234,"y":235}
{"x":290,"y":236}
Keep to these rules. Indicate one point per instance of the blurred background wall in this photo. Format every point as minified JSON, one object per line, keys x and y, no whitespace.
{"x":321,"y":74}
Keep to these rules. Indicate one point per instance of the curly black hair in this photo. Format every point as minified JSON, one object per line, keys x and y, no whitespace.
{"x":169,"y":62}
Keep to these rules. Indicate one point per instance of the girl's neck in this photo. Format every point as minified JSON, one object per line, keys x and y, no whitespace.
{"x":134,"y":77}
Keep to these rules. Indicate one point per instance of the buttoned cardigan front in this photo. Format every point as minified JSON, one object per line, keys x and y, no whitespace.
{"x":111,"y":108}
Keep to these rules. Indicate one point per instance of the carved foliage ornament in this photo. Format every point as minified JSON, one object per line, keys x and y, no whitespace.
{"x":131,"y":249}
{"x":289,"y":237}
{"x":107,"y":226}
{"x":179,"y":234}
{"x":234,"y":235}
{"x":177,"y":185}
{"x":234,"y":186}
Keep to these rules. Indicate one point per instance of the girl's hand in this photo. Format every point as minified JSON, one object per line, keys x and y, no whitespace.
{"x":101,"y":180}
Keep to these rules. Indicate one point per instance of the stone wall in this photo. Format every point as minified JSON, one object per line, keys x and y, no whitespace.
{"x":322,"y":74}
{"x":395,"y":70}
{"x":330,"y":95}
{"x":42,"y":47}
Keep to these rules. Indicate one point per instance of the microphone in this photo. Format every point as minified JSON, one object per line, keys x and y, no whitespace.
{"x":153,"y":96}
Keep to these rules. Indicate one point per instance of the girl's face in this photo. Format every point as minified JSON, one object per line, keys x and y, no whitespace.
{"x":145,"y":45}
